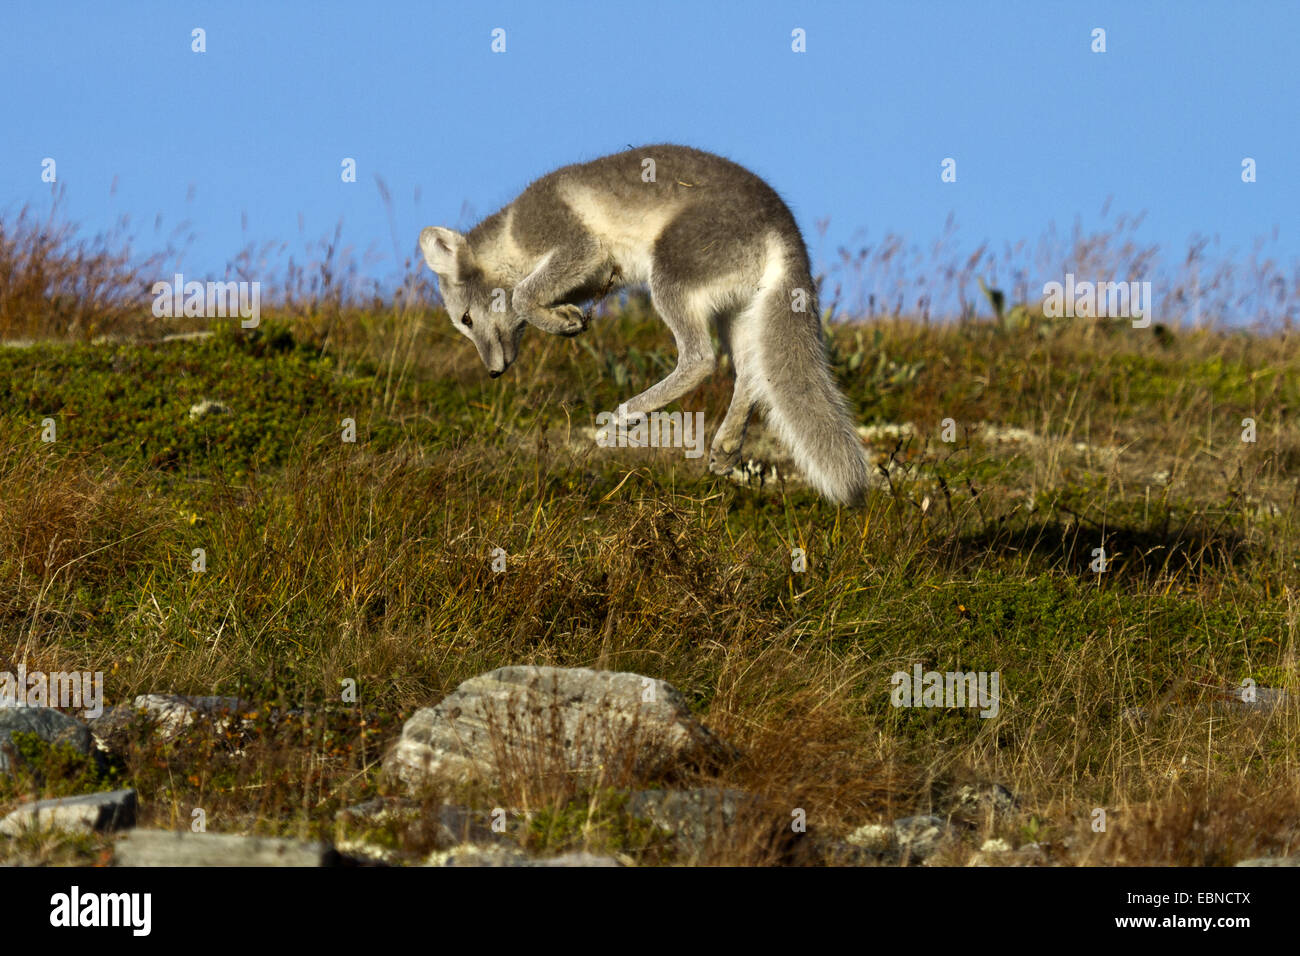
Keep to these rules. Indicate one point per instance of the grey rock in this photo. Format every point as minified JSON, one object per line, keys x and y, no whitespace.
{"x":452,"y":825}
{"x":109,"y":730}
{"x":182,"y":848}
{"x":538,"y":721}
{"x":456,"y":825}
{"x":168,"y":715}
{"x":919,"y":837}
{"x":364,"y":853}
{"x":999,"y":852}
{"x":174,"y":712}
{"x":877,"y":838}
{"x":984,"y":802}
{"x":694,"y":817}
{"x":113,"y":810}
{"x":208,"y":407}
{"x":475,"y":854}
{"x":49,"y":724}
{"x":581,"y":858}
{"x":906,"y":840}
{"x":472,"y":854}
{"x":380,"y":810}
{"x":834,"y":852}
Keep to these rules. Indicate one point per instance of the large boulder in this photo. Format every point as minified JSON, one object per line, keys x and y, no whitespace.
{"x":538,"y":721}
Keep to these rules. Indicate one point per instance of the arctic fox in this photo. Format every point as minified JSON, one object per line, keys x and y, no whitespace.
{"x":718,"y":249}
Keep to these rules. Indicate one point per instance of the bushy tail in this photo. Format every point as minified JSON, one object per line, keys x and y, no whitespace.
{"x":810,"y":414}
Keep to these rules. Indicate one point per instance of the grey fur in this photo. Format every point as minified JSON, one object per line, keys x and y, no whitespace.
{"x":718,"y":249}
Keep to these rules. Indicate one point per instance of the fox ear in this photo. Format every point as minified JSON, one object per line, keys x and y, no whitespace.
{"x":446,"y":251}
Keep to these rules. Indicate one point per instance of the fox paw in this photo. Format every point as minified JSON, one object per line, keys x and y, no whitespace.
{"x":745,"y":471}
{"x":569,"y":320}
{"x":723,"y":462}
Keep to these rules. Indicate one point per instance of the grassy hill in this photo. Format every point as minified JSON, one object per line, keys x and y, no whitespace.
{"x":329,"y":561}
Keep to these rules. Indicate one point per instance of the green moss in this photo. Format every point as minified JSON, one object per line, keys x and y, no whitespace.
{"x":58,"y":769}
{"x":598,"y":822}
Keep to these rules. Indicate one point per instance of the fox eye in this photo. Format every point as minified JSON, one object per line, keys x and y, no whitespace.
{"x":466,"y":321}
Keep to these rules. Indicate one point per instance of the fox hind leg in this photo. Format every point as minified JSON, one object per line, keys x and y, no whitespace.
{"x":689,"y":322}
{"x":725,"y":451}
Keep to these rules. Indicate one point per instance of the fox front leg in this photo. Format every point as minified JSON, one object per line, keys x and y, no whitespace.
{"x":567,"y":320}
{"x":555,"y":275}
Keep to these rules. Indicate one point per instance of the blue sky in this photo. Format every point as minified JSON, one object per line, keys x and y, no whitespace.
{"x":244,"y":142}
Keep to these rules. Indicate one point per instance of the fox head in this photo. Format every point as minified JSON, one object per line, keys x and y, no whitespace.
{"x":478,"y":310}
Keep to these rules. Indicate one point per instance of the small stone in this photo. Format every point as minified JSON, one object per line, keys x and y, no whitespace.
{"x":366,"y":853}
{"x":380,"y":810}
{"x":842,"y":853}
{"x":114,"y":810}
{"x":919,"y":837}
{"x":992,"y":799}
{"x":875,"y":837}
{"x":451,"y":825}
{"x":906,"y":840}
{"x":476,"y":854}
{"x":208,"y":407}
{"x":998,"y":852}
{"x":168,"y":714}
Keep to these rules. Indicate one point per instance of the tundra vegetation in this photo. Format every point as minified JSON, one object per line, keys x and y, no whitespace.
{"x":332,"y":561}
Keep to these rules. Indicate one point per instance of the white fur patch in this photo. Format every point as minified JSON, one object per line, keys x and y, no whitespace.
{"x":746,"y":328}
{"x":503,"y":256}
{"x":722,"y":294}
{"x":627,"y":232}
{"x":523,"y":289}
